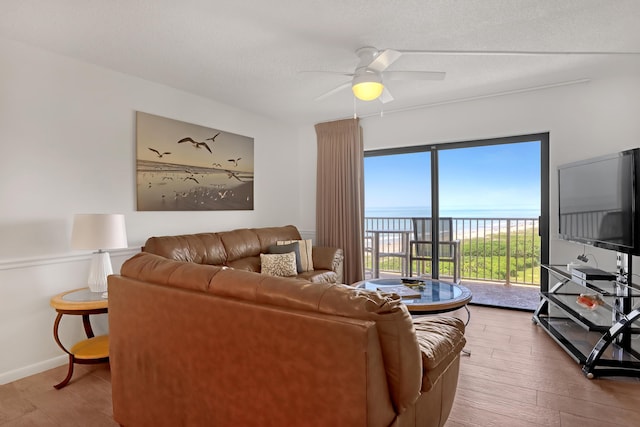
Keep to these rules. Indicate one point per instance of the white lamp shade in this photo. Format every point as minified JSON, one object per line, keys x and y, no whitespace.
{"x":98,"y":231}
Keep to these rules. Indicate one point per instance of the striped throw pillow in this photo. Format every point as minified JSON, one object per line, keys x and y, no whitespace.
{"x":306,"y":256}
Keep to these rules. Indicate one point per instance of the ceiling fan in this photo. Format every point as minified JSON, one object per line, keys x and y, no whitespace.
{"x":367,"y":81}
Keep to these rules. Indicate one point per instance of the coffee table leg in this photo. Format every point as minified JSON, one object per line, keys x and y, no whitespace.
{"x":464,"y":350}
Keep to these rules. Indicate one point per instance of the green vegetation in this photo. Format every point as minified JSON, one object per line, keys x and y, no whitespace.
{"x":486,"y":258}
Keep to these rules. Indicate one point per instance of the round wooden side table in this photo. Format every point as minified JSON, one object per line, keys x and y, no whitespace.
{"x":81,"y":302}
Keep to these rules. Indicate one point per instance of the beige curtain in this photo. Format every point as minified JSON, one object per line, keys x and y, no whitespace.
{"x":340,"y":192}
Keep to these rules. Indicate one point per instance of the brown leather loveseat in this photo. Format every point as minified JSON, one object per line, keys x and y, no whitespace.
{"x":201,"y":345}
{"x":240,"y":249}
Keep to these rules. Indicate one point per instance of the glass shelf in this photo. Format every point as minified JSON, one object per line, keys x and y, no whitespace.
{"x":603,"y":287}
{"x":598,"y":319}
{"x":580,"y":342}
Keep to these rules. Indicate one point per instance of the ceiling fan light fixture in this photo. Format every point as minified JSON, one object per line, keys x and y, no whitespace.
{"x":367,"y":86}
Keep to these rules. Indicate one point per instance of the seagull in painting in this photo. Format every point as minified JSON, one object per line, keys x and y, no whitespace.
{"x":159,"y":153}
{"x":196,"y":144}
{"x":231,"y":174}
{"x":192,"y":179}
{"x":235,"y":161}
{"x":213,"y":138}
{"x":224,"y":194}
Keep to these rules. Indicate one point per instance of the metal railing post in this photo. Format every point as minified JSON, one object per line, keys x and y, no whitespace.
{"x":508,"y":255}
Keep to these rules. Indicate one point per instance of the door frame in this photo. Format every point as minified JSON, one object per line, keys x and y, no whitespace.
{"x":543,"y":222}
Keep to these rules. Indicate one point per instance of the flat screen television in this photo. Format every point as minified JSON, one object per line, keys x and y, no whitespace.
{"x":598,"y":201}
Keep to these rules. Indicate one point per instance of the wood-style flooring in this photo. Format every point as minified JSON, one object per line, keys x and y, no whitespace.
{"x":516,"y":376}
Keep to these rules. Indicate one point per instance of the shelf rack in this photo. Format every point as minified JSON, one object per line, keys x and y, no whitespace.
{"x":604,"y":340}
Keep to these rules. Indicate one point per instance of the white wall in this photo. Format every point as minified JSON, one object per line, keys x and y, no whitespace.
{"x":68,"y":146}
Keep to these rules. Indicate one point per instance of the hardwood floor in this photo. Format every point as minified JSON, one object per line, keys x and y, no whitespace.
{"x":516,"y":376}
{"x":85,"y":401}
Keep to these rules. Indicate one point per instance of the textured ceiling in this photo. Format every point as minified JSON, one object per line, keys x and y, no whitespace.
{"x":251,"y":54}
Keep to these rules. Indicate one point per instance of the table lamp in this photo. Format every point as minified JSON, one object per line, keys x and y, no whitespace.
{"x":99,"y":232}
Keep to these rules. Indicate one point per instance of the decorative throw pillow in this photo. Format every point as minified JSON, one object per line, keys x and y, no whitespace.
{"x":306,"y":257}
{"x":291,"y":247}
{"x":283,"y":265}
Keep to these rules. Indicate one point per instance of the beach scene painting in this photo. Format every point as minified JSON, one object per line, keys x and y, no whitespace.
{"x":186,"y":167}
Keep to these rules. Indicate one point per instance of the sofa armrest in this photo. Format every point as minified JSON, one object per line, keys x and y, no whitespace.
{"x":327,"y":258}
{"x":441,"y":339}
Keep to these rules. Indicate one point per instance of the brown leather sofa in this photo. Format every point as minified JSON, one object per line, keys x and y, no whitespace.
{"x":240,"y":249}
{"x":200,"y":345}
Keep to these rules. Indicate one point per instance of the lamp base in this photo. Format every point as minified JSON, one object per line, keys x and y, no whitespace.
{"x":100,"y":269}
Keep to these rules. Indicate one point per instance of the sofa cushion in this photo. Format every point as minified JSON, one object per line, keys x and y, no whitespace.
{"x":291,"y":247}
{"x":158,"y":269}
{"x":201,"y":248}
{"x":241,"y":243}
{"x":319,"y":276}
{"x":250,"y":263}
{"x":270,"y":235}
{"x":306,"y":254}
{"x":283,"y":265}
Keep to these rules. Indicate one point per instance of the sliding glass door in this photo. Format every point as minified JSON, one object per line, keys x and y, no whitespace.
{"x":483,"y":204}
{"x":397,"y":188}
{"x":492,"y":193}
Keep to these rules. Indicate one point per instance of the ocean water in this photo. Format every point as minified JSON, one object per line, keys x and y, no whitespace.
{"x":422,"y":211}
{"x":466,"y":221}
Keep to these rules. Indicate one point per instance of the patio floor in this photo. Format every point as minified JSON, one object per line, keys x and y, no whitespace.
{"x":519,"y":297}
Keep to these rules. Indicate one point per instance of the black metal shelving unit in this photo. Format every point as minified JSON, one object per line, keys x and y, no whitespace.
{"x":604,"y":340}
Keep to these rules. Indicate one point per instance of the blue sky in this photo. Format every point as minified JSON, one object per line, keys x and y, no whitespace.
{"x":505,"y":176}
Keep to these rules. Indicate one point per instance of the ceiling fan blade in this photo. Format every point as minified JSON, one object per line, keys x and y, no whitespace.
{"x":513,"y":52}
{"x":337,"y":73}
{"x":414,"y":75}
{"x":384,"y":59}
{"x":386,"y":96}
{"x":333,"y":91}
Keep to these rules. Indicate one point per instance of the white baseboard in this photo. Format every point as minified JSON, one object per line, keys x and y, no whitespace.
{"x":36,"y":368}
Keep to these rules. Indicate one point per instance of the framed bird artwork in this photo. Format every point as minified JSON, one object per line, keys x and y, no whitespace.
{"x":182,"y":166}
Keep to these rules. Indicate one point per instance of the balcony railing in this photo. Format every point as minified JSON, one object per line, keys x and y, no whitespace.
{"x":505,"y":250}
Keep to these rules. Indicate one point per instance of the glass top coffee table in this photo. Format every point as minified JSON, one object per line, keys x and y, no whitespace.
{"x":428,"y":296}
